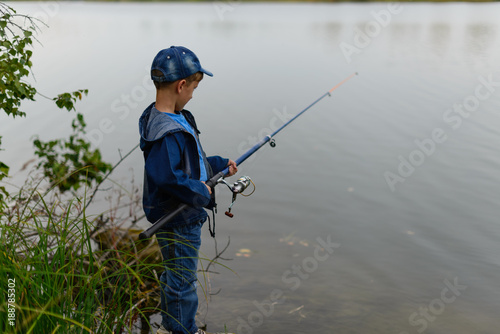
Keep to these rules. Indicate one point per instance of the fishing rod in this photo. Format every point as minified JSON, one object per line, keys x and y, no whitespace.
{"x":242,"y":183}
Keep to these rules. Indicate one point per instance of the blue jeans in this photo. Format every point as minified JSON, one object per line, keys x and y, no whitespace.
{"x":179,"y":301}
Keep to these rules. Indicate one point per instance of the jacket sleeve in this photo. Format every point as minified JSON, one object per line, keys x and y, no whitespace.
{"x":217,"y":163}
{"x":164,"y":168}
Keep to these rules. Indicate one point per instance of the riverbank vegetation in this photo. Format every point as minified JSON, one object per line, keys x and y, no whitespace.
{"x":72,"y":273}
{"x":63,"y":269}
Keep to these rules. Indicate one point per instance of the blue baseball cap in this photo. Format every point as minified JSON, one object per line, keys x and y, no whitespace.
{"x":176,"y":63}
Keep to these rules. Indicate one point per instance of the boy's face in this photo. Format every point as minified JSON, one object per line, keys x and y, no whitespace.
{"x":186,"y":94}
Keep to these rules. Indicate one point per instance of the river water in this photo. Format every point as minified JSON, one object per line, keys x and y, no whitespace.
{"x":377,"y":211}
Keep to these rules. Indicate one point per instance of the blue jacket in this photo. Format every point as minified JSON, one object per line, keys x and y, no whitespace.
{"x":172,"y":168}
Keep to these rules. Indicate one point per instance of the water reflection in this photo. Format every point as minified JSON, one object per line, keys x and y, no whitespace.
{"x":480,"y":39}
{"x":440,"y":38}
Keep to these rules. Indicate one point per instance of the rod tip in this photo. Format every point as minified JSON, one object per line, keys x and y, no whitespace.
{"x":356,"y":73}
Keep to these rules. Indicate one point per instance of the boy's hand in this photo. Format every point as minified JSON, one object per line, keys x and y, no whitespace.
{"x":209,"y":189}
{"x":232,"y":167}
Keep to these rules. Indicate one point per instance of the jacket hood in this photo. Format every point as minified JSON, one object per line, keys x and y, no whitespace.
{"x":154,"y":125}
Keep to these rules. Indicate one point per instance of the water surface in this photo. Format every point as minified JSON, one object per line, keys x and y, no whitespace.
{"x":420,"y":255}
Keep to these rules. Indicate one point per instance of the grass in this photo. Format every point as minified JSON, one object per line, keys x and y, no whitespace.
{"x":74,"y":273}
{"x":68,"y":274}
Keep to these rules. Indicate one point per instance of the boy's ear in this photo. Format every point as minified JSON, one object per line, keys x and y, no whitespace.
{"x":180,"y":85}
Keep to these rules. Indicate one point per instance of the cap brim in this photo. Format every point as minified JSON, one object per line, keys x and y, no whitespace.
{"x":210,"y":74}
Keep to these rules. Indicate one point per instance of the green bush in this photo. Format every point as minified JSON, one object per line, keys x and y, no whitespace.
{"x":55,"y":277}
{"x":62,"y":271}
{"x":68,"y":162}
{"x":63,"y":282}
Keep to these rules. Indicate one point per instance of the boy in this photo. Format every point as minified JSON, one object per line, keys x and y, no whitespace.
{"x":176,"y":169}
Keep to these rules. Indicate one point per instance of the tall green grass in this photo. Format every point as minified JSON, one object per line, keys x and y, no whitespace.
{"x":65,"y":282}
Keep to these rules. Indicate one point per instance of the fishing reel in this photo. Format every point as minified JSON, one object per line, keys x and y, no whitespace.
{"x":236,"y":188}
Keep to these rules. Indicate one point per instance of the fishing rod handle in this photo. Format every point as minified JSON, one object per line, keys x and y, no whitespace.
{"x":162,"y":221}
{"x":212,"y":182}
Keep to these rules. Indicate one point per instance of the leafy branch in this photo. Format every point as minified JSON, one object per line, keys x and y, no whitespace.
{"x":15,"y":62}
{"x":69,"y":163}
{"x":68,"y":100}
